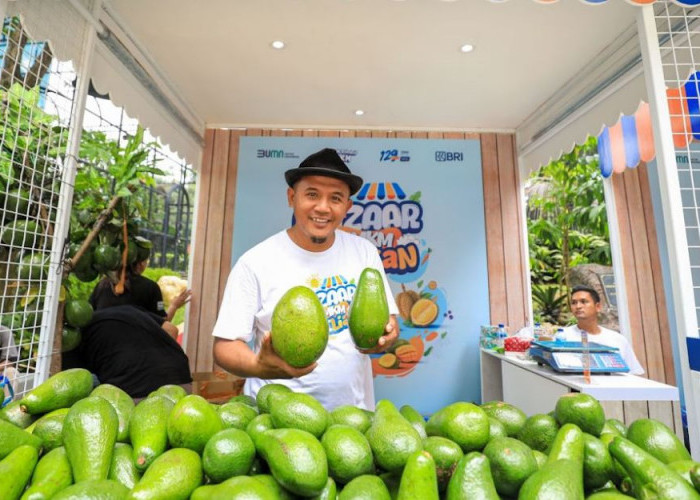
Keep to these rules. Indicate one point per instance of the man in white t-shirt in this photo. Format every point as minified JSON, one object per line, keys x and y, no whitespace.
{"x":585,"y":306}
{"x":314,"y":253}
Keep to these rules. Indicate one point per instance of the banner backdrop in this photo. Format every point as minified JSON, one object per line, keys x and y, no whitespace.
{"x":422,"y":206}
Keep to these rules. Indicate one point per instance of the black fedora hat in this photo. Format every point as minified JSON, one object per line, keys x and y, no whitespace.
{"x":326,"y":162}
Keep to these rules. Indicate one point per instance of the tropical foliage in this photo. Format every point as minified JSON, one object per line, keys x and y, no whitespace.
{"x":567,"y":226}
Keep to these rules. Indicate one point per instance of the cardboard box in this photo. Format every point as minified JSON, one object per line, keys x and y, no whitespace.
{"x":217,"y":386}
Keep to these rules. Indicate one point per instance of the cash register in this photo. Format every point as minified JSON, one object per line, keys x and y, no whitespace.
{"x":568,"y":357}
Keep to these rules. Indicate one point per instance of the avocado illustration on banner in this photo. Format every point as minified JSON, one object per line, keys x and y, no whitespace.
{"x":384,"y":214}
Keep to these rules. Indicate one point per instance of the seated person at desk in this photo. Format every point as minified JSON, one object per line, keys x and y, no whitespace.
{"x":132,"y":349}
{"x":138,"y":291}
{"x":585,"y":306}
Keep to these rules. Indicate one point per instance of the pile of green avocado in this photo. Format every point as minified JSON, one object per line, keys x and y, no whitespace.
{"x":66,"y":440}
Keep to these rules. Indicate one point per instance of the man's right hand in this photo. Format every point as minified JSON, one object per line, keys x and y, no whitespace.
{"x":270,"y":365}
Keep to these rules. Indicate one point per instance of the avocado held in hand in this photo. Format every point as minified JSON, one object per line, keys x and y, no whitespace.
{"x":369,"y":311}
{"x":299,"y":327}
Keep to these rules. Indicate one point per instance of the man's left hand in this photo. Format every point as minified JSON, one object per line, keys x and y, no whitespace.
{"x":387,"y":340}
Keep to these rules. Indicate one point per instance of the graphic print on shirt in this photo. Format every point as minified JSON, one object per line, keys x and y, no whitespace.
{"x":335,"y":293}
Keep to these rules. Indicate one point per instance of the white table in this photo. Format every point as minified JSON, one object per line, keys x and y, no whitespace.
{"x":536,"y":389}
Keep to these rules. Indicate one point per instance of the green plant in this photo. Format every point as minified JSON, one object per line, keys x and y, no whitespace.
{"x":567,"y":222}
{"x":548,"y":303}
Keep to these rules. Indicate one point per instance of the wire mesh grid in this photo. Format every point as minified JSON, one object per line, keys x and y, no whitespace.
{"x":167,"y":205}
{"x":33,"y":140}
{"x":679,"y":42}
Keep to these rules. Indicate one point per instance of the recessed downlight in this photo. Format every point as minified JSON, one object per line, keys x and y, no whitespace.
{"x":278,"y":44}
{"x":467,"y":47}
{"x":359,"y":112}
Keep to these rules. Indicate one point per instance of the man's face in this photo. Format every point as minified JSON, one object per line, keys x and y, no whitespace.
{"x":583,"y":306}
{"x":320,"y":204}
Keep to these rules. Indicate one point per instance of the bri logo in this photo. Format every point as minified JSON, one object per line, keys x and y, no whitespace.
{"x":449,"y":156}
{"x":275,"y":153}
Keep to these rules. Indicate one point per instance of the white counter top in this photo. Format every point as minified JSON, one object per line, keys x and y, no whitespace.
{"x":613,"y":387}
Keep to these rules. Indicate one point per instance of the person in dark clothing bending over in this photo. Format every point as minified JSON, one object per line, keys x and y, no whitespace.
{"x":130,"y":348}
{"x":138,"y":291}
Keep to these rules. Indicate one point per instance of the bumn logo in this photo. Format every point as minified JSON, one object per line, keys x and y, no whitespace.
{"x":275,"y":153}
{"x":449,"y":156}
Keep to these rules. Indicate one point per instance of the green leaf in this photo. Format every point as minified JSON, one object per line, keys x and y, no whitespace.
{"x":415,"y":196}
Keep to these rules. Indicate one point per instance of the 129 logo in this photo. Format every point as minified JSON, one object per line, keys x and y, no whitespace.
{"x":393,"y":155}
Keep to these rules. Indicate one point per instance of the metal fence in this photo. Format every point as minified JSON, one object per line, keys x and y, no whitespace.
{"x":168,"y":205}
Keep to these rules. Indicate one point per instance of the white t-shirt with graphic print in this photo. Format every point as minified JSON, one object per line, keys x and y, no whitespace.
{"x":609,"y":338}
{"x":265,"y":272}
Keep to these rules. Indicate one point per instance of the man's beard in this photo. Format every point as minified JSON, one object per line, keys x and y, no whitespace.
{"x":318,"y":240}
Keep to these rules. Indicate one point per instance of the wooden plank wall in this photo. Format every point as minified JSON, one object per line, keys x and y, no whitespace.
{"x":504,"y":230}
{"x":214,"y":226}
{"x":648,"y":314}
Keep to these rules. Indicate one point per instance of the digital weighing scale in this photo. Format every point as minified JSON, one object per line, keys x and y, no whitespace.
{"x":567,"y":357}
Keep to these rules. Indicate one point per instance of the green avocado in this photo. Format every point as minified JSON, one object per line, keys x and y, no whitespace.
{"x":228,"y":453}
{"x":561,"y":479}
{"x":13,"y":413}
{"x":122,"y":469}
{"x":12,"y":436}
{"x":104,"y":489}
{"x":173,"y":475}
{"x":51,"y":475}
{"x":192,"y":422}
{"x":512,"y":462}
{"x":296,"y":458}
{"x":106,"y":258}
{"x":350,"y":415}
{"x":464,"y":423}
{"x":258,"y":426}
{"x":122,"y":404}
{"x":78,"y":313}
{"x":89,"y":434}
{"x":472,"y":479}
{"x":300,"y":411}
{"x":419,"y":479}
{"x":658,"y":440}
{"x":236,"y":415}
{"x":651,"y":478}
{"x":446,"y":454}
{"x":33,"y":266}
{"x":173,"y":392}
{"x":365,"y":487}
{"x":415,"y":419}
{"x":49,"y":428}
{"x":16,"y":470}
{"x":598,"y":467}
{"x":148,"y":430}
{"x":392,"y":438}
{"x":21,"y":233}
{"x":299,"y":327}
{"x":243,"y":487}
{"x":369,"y":310}
{"x":348,"y":452}
{"x":58,"y":391}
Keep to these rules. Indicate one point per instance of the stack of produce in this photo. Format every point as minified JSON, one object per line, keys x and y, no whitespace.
{"x":66,"y":440}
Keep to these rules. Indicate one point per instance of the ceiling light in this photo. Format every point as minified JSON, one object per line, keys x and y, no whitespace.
{"x":467,"y":47}
{"x":359,"y":112}
{"x":277,"y":44}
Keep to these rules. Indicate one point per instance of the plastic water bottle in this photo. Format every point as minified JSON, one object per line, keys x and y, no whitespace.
{"x":501,"y":336}
{"x":536,"y":331}
{"x":559,"y":337}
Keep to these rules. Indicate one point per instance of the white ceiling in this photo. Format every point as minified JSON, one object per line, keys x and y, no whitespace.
{"x":399,"y":61}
